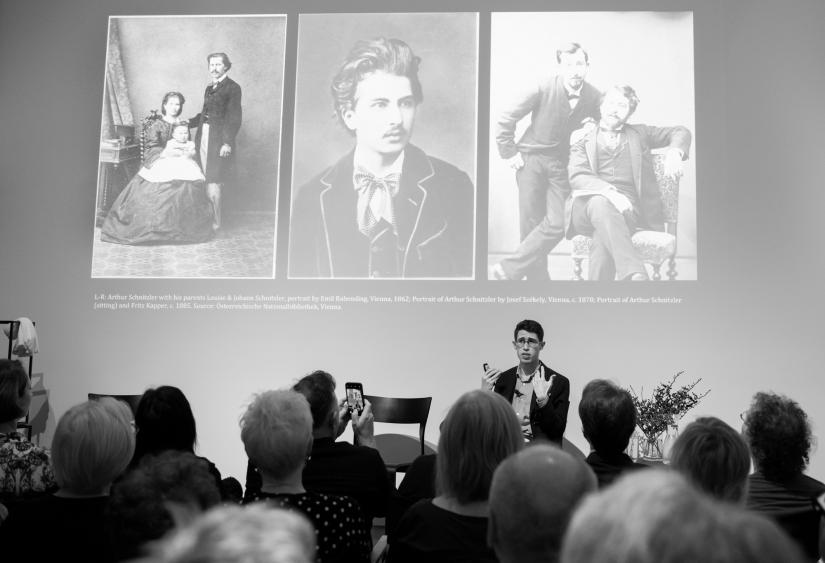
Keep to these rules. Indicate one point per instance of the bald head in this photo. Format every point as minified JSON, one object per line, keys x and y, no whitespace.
{"x":532,"y":498}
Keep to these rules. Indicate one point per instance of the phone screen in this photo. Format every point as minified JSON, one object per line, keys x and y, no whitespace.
{"x":355,"y":396}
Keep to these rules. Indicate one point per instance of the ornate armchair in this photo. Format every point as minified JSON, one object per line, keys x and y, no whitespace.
{"x":654,"y":247}
{"x":145,"y":123}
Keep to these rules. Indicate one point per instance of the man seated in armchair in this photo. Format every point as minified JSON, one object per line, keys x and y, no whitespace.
{"x":614,"y":189}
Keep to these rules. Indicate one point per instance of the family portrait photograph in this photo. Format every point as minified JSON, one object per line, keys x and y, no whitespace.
{"x":189,"y":149}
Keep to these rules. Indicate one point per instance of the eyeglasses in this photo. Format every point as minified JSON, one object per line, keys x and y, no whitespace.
{"x":522,"y":342}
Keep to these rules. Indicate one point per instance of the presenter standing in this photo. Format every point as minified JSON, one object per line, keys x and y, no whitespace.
{"x":539,"y":395}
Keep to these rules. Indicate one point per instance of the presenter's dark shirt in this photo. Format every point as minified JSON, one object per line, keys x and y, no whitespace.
{"x":431,"y":534}
{"x":790,"y":504}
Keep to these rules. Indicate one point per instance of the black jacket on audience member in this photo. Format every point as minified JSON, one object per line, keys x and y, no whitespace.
{"x":339,"y":468}
{"x":608,"y":468}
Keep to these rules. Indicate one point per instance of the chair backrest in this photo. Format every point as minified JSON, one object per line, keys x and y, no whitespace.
{"x":397,"y":410}
{"x":669,"y":188}
{"x":144,"y":125}
{"x":131,"y":400}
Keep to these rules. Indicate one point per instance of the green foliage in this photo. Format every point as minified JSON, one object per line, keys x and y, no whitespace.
{"x":666,"y":405}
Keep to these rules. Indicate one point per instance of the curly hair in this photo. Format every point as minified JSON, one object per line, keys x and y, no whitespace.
{"x":779,"y":435}
{"x":391,"y":56}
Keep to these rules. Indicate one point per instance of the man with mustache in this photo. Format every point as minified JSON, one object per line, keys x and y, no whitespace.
{"x":386,"y":209}
{"x":218,"y":125}
{"x":557,"y":106}
{"x":614,"y":188}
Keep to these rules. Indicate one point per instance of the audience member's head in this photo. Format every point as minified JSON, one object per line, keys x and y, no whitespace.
{"x":779,"y":435}
{"x":532,"y":498}
{"x":276,"y":431}
{"x":164,"y":421}
{"x":714,"y":457}
{"x":145,"y":504}
{"x":15,"y":392}
{"x":608,"y":416}
{"x":656,"y":516}
{"x":92,"y":445}
{"x":230,"y":534}
{"x":319,"y":389}
{"x":479,"y":432}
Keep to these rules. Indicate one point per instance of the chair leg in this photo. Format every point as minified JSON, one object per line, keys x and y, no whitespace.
{"x":671,"y":271}
{"x":577,"y":268}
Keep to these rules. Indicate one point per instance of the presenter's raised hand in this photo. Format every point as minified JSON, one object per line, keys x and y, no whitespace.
{"x":363,"y":426}
{"x":541,"y":389}
{"x":488,"y":381}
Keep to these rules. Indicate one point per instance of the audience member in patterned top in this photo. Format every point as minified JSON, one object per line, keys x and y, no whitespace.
{"x":608,"y":420}
{"x":714,"y":457}
{"x":230,"y":534}
{"x":480,"y":431}
{"x":532,"y":498}
{"x":779,"y":435}
{"x":338,"y":467}
{"x":163,"y":491}
{"x":276,"y":430}
{"x":92,"y":446}
{"x":24,"y":467}
{"x":656,"y":516}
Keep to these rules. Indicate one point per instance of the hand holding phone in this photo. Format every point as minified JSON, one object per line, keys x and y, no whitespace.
{"x":491,"y":375}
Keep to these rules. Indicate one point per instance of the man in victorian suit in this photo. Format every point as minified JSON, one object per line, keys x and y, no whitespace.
{"x":557,"y":106}
{"x":218,"y":125}
{"x":539,"y":395}
{"x":386,"y":209}
{"x":614,"y":188}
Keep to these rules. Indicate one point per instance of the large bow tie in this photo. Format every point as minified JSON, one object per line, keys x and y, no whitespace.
{"x":375,"y":199}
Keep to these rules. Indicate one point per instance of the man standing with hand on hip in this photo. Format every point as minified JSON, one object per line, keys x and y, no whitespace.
{"x":539,"y":395}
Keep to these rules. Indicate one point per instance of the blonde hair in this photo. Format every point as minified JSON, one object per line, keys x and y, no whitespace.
{"x":276,"y":431}
{"x":93,"y":444}
{"x":231,"y":534}
{"x":481,"y":429}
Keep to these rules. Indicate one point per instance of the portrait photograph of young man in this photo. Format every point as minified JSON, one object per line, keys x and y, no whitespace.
{"x":384,"y":151}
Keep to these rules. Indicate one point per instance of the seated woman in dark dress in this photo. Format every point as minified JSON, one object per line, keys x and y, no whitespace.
{"x":779,"y":435}
{"x":276,"y":431}
{"x":153,"y":212}
{"x":480,"y":431}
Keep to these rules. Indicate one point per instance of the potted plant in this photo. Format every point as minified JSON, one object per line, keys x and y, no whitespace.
{"x":663,"y":410}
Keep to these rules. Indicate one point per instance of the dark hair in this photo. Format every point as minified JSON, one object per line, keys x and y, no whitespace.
{"x":714,"y":457}
{"x":13,"y":383}
{"x":223,"y":56}
{"x":164,"y":421}
{"x":319,"y":389}
{"x":628,"y":92}
{"x":392,"y":56}
{"x":571,"y":48}
{"x":529,"y":326}
{"x":138,"y":508}
{"x":779,"y":435}
{"x":608,"y":416}
{"x":172,"y":94}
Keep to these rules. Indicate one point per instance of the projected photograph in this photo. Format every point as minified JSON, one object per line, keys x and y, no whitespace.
{"x":383,"y":176}
{"x":189,"y":145}
{"x":592,"y":147}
